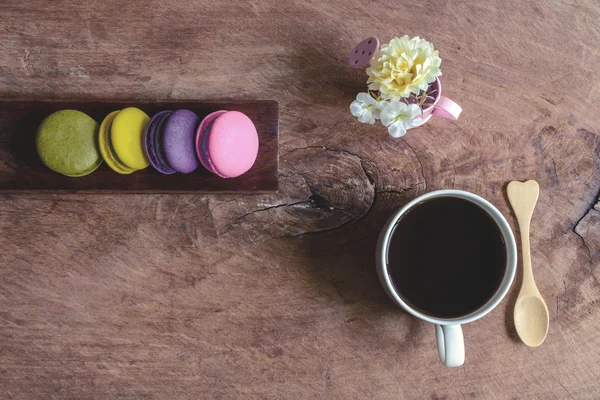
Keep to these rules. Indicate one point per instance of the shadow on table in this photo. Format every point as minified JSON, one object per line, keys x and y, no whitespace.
{"x":317,"y":71}
{"x":511,"y":297}
{"x":342,"y":265}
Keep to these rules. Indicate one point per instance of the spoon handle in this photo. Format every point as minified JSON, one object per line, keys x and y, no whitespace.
{"x":526,"y":252}
{"x":523,"y":197}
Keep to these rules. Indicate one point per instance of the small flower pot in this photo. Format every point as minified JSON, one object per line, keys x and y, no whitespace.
{"x":442,"y":106}
{"x":403,"y":67}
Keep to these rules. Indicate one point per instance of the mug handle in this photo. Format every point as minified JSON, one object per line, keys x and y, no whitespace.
{"x":451,"y":345}
{"x":447,"y":108}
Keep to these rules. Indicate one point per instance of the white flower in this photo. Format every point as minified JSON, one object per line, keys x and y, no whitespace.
{"x":403,"y":66}
{"x":366,"y":108}
{"x":399,"y":116}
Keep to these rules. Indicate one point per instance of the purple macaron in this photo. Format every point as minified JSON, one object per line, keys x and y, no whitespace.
{"x":178,"y":141}
{"x":153,"y":143}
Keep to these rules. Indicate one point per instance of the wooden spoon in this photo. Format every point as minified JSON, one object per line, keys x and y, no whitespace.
{"x":531,"y":313}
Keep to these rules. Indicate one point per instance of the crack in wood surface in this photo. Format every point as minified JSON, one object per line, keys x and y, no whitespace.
{"x":592,"y":207}
{"x":418,"y":160}
{"x":259,"y":210}
{"x":401,"y":191}
{"x":301,"y":148}
{"x":362,"y":164}
{"x":317,"y":199}
{"x":372,"y":181}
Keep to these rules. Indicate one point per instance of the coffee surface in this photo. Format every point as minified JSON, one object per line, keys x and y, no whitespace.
{"x":446,"y":257}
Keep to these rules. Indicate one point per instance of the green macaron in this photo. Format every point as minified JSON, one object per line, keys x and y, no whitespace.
{"x":67,"y":142}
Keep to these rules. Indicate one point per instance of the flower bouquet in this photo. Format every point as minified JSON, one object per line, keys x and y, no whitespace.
{"x":404,"y":90}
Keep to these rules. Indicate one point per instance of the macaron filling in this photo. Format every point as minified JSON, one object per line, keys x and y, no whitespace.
{"x":153,"y":143}
{"x":207,"y":163}
{"x":114,"y":155}
{"x":127,"y":136}
{"x":202,"y":140}
{"x":158,"y":148}
{"x":106,"y":147}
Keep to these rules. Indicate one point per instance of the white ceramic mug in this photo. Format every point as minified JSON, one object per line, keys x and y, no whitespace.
{"x":448,"y":331}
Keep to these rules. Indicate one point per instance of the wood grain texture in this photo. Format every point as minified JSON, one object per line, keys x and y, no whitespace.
{"x":21,"y":170}
{"x":275,"y":296}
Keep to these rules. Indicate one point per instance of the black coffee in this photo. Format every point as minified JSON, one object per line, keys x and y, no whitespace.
{"x":446,"y":257}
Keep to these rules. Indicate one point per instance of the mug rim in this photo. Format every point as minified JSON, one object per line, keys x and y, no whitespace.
{"x":509,"y":242}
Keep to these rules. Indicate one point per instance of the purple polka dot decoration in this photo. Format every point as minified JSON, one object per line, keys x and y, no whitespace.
{"x":363,"y":53}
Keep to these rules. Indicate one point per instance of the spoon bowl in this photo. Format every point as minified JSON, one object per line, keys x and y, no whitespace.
{"x":531,"y":320}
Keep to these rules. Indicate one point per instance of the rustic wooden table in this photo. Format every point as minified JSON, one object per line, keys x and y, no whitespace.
{"x":275,"y":296}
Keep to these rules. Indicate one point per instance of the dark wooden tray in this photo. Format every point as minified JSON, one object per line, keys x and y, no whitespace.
{"x":21,"y":171}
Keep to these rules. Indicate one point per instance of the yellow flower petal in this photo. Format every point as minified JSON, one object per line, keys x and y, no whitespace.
{"x":403,"y":66}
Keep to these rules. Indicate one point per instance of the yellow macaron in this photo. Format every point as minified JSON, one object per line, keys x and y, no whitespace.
{"x":127,"y":137}
{"x":106,"y":147}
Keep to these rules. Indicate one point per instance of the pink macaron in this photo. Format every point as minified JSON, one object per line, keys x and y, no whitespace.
{"x":227,"y":143}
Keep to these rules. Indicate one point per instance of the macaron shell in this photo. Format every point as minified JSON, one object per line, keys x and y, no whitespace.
{"x":201,"y":137}
{"x":108,"y":153}
{"x":178,"y":139}
{"x":232,"y":144}
{"x":67,"y":143}
{"x":153,"y":143}
{"x":127,"y":137}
